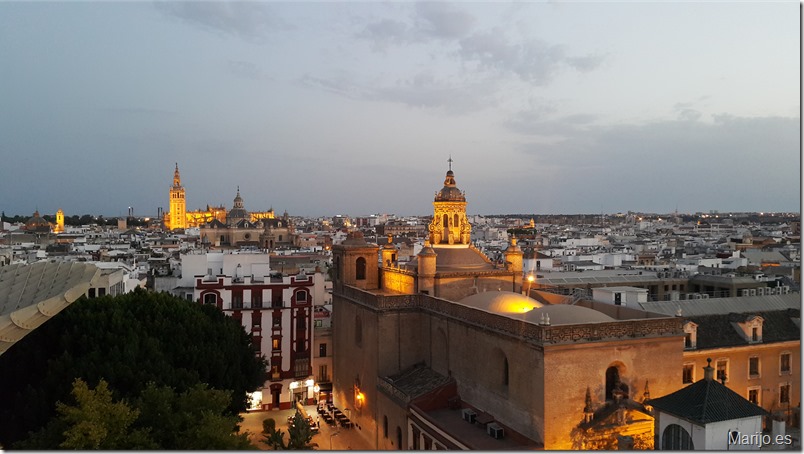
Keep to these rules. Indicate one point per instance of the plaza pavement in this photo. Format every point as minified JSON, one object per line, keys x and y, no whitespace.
{"x":346,"y":439}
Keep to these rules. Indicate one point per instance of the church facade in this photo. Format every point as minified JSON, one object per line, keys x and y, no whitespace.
{"x":446,"y":352}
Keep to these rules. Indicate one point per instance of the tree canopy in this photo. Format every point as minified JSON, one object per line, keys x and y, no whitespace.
{"x":159,"y":419}
{"x":129,"y":341}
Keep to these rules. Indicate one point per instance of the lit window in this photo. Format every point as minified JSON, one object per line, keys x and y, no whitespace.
{"x":687,"y":374}
{"x":784,"y":363}
{"x":753,"y":367}
{"x":784,"y":393}
{"x":275,"y":344}
{"x":753,"y":395}
{"x":722,"y":370}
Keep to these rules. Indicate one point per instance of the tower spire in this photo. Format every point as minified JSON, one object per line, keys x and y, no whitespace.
{"x":450,"y":161}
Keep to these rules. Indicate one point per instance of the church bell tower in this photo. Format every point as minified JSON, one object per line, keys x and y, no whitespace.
{"x":178,"y":204}
{"x":449,"y":225}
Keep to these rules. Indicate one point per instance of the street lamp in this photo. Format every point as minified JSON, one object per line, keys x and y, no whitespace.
{"x":330,"y":439}
{"x":531,"y":278}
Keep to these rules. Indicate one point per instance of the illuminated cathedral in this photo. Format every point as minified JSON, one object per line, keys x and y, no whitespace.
{"x":448,"y":351}
{"x":178,"y":218}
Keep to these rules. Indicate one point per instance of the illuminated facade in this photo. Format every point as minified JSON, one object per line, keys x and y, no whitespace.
{"x":275,"y":309}
{"x":59,"y":228}
{"x":178,"y":218}
{"x":447,"y":353}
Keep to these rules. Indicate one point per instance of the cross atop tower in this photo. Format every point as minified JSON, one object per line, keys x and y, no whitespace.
{"x":450,"y":162}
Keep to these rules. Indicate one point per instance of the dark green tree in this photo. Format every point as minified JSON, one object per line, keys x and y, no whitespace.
{"x":299,"y":434}
{"x":159,"y":419}
{"x":129,"y":341}
{"x":273,"y":437}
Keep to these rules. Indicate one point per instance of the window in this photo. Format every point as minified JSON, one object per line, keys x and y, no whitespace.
{"x":319,"y":323}
{"x":505,"y":372}
{"x":385,"y":426}
{"x":322,"y":350}
{"x":301,"y":367}
{"x":722,"y":370}
{"x":754,"y":334}
{"x":277,"y":321}
{"x":256,"y":299}
{"x":618,"y":298}
{"x":690,"y":335}
{"x":688,"y":374}
{"x":210,"y":298}
{"x":784,"y":393}
{"x":753,"y":367}
{"x":784,"y":363}
{"x":237,"y":301}
{"x":360,"y":269}
{"x":301,"y":296}
{"x":753,"y":395}
{"x":275,"y":344}
{"x":322,"y":373}
{"x":676,"y":437}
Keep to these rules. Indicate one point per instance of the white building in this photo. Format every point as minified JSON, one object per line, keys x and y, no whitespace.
{"x":277,"y":310}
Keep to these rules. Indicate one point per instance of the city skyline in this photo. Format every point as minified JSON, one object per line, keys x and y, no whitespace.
{"x":354,"y":108}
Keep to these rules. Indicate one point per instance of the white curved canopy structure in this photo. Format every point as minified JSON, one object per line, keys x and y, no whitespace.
{"x":31,"y":294}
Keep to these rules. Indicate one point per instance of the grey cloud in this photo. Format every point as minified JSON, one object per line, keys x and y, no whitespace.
{"x":443,"y":20}
{"x":342,"y":85}
{"x":585,"y":64}
{"x":429,"y":20}
{"x":384,"y":33}
{"x":533,"y":61}
{"x":249,"y":20}
{"x":536,"y":122}
{"x":423,"y":90}
{"x":247,"y":70}
{"x":684,"y":163}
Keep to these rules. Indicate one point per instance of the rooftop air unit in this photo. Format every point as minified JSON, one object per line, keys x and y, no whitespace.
{"x":495,"y":431}
{"x":469,"y":415}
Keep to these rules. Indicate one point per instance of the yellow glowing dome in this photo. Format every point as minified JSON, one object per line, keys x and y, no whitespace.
{"x":501,"y":302}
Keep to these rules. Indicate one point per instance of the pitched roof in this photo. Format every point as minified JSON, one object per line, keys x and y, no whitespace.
{"x":417,"y":380}
{"x":706,"y":401}
{"x":717,"y":330}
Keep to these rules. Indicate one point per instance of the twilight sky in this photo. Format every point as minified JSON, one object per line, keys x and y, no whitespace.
{"x":354,"y":108}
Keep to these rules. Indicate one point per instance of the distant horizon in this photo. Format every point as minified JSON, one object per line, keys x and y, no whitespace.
{"x":712,"y":213}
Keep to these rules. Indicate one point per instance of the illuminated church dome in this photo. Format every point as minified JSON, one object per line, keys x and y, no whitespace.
{"x":450,"y":192}
{"x":565,"y":314}
{"x":238,"y":212}
{"x":501,"y":302}
{"x":37,"y":224}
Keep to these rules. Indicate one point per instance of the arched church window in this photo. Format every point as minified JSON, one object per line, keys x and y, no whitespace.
{"x":614,"y":384}
{"x":210,"y":298}
{"x":360,"y":269}
{"x":446,"y":221}
{"x":455,"y":220}
{"x":676,"y":437}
